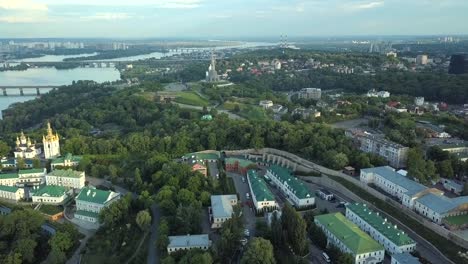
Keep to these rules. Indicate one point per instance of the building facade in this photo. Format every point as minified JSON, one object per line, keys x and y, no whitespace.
{"x":66,"y":178}
{"x":394,"y":153}
{"x":188,"y":242}
{"x":393,"y":239}
{"x":51,"y":143}
{"x":25,"y":149}
{"x":395,"y":184}
{"x":436,"y":207}
{"x":11,"y":193}
{"x":262,"y":197}
{"x":221,"y":209}
{"x":50,"y":194}
{"x":350,"y":239}
{"x":404,"y":258}
{"x":293,"y":188}
{"x":310,"y":93}
{"x":90,"y":202}
{"x":240,"y":166}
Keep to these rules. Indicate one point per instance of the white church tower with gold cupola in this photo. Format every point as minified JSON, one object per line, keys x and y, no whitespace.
{"x":51,"y":143}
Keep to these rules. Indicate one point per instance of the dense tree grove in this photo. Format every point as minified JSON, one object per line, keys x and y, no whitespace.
{"x":23,"y":241}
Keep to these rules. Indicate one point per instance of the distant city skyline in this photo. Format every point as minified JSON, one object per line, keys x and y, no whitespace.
{"x":229,"y":19}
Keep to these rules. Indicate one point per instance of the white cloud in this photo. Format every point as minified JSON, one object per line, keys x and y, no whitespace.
{"x":24,"y":19}
{"x":362,"y":5}
{"x":22,"y":5}
{"x":107,"y":16}
{"x":182,"y":4}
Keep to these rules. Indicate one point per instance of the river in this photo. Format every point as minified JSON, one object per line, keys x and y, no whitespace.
{"x":49,"y":76}
{"x":56,"y":58}
{"x":52,"y":76}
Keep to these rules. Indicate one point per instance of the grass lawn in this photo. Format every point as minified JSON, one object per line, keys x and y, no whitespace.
{"x":457,"y":220}
{"x":50,"y":209}
{"x":191,"y":98}
{"x":253,"y":113}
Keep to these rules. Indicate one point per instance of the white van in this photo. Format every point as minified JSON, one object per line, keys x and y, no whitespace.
{"x":326,"y":257}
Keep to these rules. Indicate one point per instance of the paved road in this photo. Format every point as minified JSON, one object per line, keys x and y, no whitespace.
{"x":153,"y":254}
{"x":248,"y":213}
{"x":213,"y":168}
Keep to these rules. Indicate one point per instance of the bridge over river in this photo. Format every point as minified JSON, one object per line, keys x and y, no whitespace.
{"x":27,"y":90}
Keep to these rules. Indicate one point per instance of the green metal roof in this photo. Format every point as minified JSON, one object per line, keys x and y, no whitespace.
{"x":259,"y":187}
{"x":242,"y":162}
{"x":93,"y":195}
{"x":67,"y":156}
{"x":87,"y":213}
{"x":8,"y":188}
{"x":348,"y":233}
{"x":51,"y":191}
{"x":66,"y":173}
{"x":30,"y":171}
{"x":9,"y":176}
{"x":397,"y":236}
{"x":297,"y":186}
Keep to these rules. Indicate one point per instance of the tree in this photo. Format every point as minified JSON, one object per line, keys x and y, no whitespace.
{"x":294,"y":228}
{"x":465,"y":189}
{"x":162,"y":241}
{"x":25,"y":247}
{"x":4,"y":149}
{"x":345,"y":258}
{"x":138,"y":180}
{"x":317,"y":236}
{"x":445,"y":169}
{"x":61,"y":241}
{"x":143,"y":220}
{"x":36,"y":163}
{"x":259,"y":251}
{"x":20,"y":163}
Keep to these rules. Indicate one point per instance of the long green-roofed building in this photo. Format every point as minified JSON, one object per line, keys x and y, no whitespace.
{"x":50,"y":194}
{"x":393,"y":239}
{"x":293,"y":188}
{"x":262,"y":197}
{"x":11,"y":193}
{"x":347,"y":236}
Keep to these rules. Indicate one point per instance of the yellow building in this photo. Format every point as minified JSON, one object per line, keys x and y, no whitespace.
{"x":51,"y":143}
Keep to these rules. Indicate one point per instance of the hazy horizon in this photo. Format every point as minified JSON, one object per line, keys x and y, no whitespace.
{"x":142,"y":19}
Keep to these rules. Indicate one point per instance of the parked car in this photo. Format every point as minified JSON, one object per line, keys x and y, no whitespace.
{"x":326,"y":257}
{"x":246,"y":232}
{"x":341,"y":205}
{"x":243,"y":179}
{"x":247,"y":195}
{"x":243,"y":241}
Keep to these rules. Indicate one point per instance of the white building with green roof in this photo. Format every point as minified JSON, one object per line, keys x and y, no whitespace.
{"x":90,"y":202}
{"x":66,"y":178}
{"x":68,"y":160}
{"x":262,"y":197}
{"x":11,"y":193}
{"x":33,"y":177}
{"x":393,"y":239}
{"x":50,"y":194}
{"x":347,"y":236}
{"x":9,"y":179}
{"x":293,"y":188}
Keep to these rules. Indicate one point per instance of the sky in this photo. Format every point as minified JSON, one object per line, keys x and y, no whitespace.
{"x":229,"y":18}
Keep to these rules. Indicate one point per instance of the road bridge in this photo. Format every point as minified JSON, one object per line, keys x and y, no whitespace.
{"x":23,"y":88}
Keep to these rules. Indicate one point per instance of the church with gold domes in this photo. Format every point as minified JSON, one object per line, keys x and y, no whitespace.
{"x":25,"y":149}
{"x":51,"y":143}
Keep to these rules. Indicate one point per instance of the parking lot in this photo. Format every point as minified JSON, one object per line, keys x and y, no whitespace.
{"x":248,"y":212}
